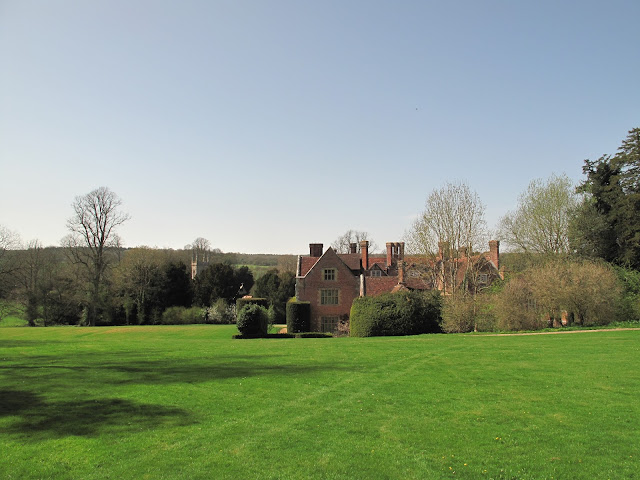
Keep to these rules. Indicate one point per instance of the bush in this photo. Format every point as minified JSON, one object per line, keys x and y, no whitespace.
{"x":468,"y":313}
{"x":401,"y":313}
{"x":629,"y":308}
{"x":241,"y":302}
{"x":298,"y":316}
{"x":588,"y":292}
{"x":221,"y":313}
{"x":253,"y":319}
{"x":182,"y":316}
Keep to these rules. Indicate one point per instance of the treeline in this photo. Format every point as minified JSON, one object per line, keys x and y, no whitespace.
{"x":139,"y":286}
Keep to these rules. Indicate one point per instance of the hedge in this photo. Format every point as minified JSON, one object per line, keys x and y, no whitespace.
{"x":298,"y":316}
{"x":253,"y":319}
{"x":241,"y":302}
{"x":401,"y":313}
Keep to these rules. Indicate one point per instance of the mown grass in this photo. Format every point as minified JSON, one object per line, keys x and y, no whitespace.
{"x":189,"y":402}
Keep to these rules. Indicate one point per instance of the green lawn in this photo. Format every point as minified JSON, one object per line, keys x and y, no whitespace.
{"x":189,"y":402}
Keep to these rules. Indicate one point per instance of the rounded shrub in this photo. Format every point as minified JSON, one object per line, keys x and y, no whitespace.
{"x":241,"y":302}
{"x":298,"y":316}
{"x":253,"y":319}
{"x":401,"y":313}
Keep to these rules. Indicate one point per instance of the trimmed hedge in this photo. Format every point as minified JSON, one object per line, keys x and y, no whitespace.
{"x":241,"y":302}
{"x":313,"y":335}
{"x":401,"y":313}
{"x":298,"y":316}
{"x":253,"y":319}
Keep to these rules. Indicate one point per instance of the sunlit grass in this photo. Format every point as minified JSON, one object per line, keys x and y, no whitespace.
{"x":189,"y":402}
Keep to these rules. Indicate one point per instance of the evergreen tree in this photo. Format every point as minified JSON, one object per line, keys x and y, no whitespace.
{"x":607,"y":224}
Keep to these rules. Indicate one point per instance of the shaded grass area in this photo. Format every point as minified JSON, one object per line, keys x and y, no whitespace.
{"x":189,"y":402}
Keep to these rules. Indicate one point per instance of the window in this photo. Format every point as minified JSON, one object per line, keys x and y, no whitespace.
{"x":329,"y":274}
{"x":329,"y":324}
{"x":376,"y":273}
{"x":483,"y":278}
{"x":329,"y":296}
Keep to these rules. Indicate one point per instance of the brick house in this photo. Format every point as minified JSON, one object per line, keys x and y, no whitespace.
{"x":331,"y":281}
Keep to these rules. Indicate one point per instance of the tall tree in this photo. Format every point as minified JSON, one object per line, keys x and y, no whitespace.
{"x":220,"y":281}
{"x":93,"y":225}
{"x":451,"y":227}
{"x":30,"y":276}
{"x":277,"y":288}
{"x":607,"y":224}
{"x":9,"y":264}
{"x":540,"y":224}
{"x":342,"y":244}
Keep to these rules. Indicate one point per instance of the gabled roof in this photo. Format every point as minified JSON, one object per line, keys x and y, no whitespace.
{"x":308,"y":263}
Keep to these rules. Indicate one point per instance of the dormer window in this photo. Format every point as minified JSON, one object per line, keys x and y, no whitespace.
{"x":376,"y":273}
{"x":329,"y":274}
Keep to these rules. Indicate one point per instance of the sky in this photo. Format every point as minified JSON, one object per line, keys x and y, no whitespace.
{"x":264,"y":126}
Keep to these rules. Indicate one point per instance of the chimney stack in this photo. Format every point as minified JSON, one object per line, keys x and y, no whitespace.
{"x":353,"y":248}
{"x":364,"y":249}
{"x":494,"y":253}
{"x":315,"y":249}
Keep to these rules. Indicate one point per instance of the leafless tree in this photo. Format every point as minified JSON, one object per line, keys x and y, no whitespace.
{"x":451,"y":228}
{"x":342,"y":244}
{"x":8,"y":261}
{"x":96,"y":216}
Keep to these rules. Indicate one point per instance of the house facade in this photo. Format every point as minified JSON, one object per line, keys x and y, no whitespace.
{"x":330,"y":281}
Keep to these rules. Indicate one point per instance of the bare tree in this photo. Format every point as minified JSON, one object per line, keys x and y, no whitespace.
{"x":342,"y":244}
{"x":451,"y":228}
{"x":201,"y":245}
{"x":540,"y":224}
{"x":8,"y":261}
{"x":92,"y":226}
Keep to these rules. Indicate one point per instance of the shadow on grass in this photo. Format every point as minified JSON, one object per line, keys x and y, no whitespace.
{"x":37,"y":418}
{"x":135,"y":369}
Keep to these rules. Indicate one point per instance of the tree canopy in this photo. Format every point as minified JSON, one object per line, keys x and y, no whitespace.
{"x":607,"y":224}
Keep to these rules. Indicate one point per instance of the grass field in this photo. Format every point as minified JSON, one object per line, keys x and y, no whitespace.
{"x":189,"y":402}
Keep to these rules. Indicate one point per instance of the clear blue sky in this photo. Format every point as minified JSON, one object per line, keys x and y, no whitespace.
{"x":264,"y":126}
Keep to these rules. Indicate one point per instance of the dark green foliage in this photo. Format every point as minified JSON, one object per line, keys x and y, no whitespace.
{"x":607,"y":225}
{"x":220,"y":281}
{"x":241,"y":302}
{"x":244,"y":278}
{"x":298,"y":316}
{"x":630,"y":301}
{"x":177,"y":288}
{"x":277,"y":288}
{"x":253,"y":320}
{"x":401,"y":313}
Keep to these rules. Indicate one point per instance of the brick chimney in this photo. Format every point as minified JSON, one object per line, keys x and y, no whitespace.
{"x":353,"y":248}
{"x":401,"y":263}
{"x":494,"y":253}
{"x":315,"y":249}
{"x":389,"y":254}
{"x":364,"y":249}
